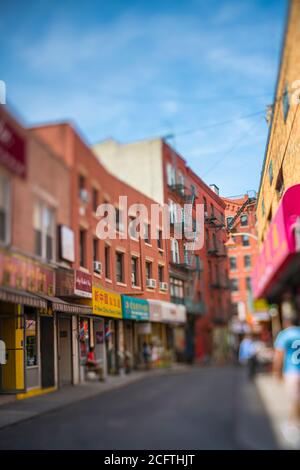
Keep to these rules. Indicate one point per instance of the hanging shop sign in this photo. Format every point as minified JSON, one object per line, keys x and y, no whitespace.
{"x":12,"y":149}
{"x":70,"y":283}
{"x":106,"y":304}
{"x":135,"y":309}
{"x":280,"y":245}
{"x":19,"y":272}
{"x":166,"y":312}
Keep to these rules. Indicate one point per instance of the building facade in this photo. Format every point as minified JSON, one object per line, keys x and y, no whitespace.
{"x":154,"y":167}
{"x":276,"y":275}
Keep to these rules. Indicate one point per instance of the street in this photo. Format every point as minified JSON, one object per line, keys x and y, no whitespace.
{"x":199,"y":408}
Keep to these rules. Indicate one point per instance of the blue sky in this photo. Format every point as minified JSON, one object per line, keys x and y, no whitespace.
{"x":136,"y":69}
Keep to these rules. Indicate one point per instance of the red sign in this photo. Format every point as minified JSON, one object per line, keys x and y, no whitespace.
{"x":70,"y":282}
{"x":83,"y":284}
{"x":12,"y":149}
{"x":21,"y":273}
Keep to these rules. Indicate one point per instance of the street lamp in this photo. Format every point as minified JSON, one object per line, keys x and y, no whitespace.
{"x":230,"y":242}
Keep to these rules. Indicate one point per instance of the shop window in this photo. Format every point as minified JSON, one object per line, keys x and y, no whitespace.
{"x":31,"y":339}
{"x":245,"y":240}
{"x":148,"y":270}
{"x":107,"y":261}
{"x":82,"y":247}
{"x":233,"y":263}
{"x":44,"y":229}
{"x":134,"y":271}
{"x":4,"y":210}
{"x":247,"y":261}
{"x":120,"y":277}
{"x":244,"y":220}
{"x":285,"y":102}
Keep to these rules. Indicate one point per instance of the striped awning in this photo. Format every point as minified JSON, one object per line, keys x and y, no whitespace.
{"x":9,"y":294}
{"x":60,"y":305}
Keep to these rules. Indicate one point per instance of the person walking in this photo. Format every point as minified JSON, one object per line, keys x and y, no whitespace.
{"x":286,"y":367}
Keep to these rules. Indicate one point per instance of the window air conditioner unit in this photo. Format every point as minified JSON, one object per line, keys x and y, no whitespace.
{"x":151,"y":283}
{"x":163,"y":286}
{"x":97,"y":267}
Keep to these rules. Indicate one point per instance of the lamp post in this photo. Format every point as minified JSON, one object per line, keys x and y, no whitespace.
{"x":230,"y":242}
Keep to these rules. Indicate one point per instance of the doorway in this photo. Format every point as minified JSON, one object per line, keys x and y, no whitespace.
{"x":64,"y":351}
{"x":47,"y":351}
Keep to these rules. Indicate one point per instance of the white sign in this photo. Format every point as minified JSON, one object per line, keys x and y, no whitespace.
{"x":67,"y":244}
{"x":2,"y":352}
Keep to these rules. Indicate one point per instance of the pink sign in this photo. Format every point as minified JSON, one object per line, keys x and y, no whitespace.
{"x":280,"y":243}
{"x":12,"y":149}
{"x":83,"y":284}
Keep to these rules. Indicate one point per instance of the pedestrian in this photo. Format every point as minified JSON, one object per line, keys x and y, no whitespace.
{"x":287,"y":367}
{"x":146,"y":355}
{"x":247,"y":355}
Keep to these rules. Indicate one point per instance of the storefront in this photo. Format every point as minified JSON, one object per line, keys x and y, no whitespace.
{"x":27,"y":325}
{"x":135,"y":313}
{"x":74,"y":329}
{"x":276,"y":275}
{"x":110,"y":339}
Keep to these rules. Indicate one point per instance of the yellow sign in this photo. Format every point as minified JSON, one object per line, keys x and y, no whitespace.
{"x":106,"y":304}
{"x":260,"y":305}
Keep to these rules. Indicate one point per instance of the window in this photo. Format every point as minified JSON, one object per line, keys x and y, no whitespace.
{"x":247,"y":261}
{"x":207,"y":238}
{"x":107,"y":261}
{"x":161,"y":273}
{"x":229,"y":221}
{"x":133,"y":228}
{"x":148,"y":270}
{"x":205,"y":204}
{"x":119,"y":220}
{"x":173,"y":211}
{"x":245,"y":240}
{"x":95,"y":249}
{"x":95,"y":199}
{"x":248,"y":284}
{"x":44,"y":231}
{"x":244,"y":220}
{"x":212,"y":210}
{"x":81,"y":183}
{"x":171,"y":175}
{"x":134,"y":271}
{"x":31,"y":339}
{"x":82,"y":248}
{"x":147,"y":233}
{"x":232,"y":263}
{"x":234,"y":285}
{"x":120,"y":267}
{"x":159,"y":239}
{"x":285,"y":102}
{"x":270,"y":171}
{"x":175,"y":251}
{"x":280,"y":183}
{"x":4,"y":210}
{"x":263,"y":209}
{"x":176,"y":289}
{"x":181,"y":182}
{"x":234,"y":308}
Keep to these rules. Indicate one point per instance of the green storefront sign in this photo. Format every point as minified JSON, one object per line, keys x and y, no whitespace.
{"x":135,"y":309}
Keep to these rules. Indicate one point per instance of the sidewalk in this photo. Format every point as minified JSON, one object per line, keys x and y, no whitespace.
{"x":276,"y":402}
{"x":16,"y":411}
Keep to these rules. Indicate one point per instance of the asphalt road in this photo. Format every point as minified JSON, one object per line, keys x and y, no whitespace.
{"x":195,"y":409}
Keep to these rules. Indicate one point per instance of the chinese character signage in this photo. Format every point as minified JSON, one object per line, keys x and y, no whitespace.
{"x":135,"y":309}
{"x":106,"y":304}
{"x":25,"y":274}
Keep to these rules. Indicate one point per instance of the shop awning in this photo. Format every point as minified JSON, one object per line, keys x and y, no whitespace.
{"x":60,"y":305}
{"x":281,"y":247}
{"x":9,"y":294}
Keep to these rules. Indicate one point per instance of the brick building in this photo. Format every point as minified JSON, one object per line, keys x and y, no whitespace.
{"x":276,"y":274}
{"x":154,"y":167}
